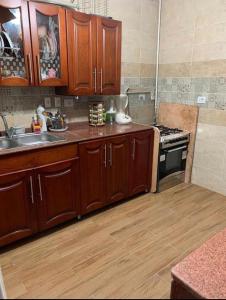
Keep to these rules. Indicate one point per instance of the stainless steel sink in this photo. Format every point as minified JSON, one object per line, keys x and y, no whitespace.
{"x":6,"y":143}
{"x":36,"y":139}
{"x":28,"y":140}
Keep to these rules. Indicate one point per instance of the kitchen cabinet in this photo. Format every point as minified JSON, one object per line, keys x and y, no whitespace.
{"x":93,"y":165}
{"x":140,"y":162}
{"x":112,"y":169}
{"x":94,"y":52}
{"x":81,"y":30}
{"x":49,"y":43}
{"x":117,"y":171}
{"x":17,"y":207}
{"x":16,"y":64}
{"x":58,"y":193}
{"x":109,"y":36}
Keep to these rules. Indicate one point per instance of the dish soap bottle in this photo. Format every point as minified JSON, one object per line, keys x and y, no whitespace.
{"x":42,"y":118}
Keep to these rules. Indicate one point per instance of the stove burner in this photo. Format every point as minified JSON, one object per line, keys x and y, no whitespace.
{"x":165,"y":131}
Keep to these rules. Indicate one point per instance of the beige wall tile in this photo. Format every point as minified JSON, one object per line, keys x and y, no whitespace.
{"x":175,"y":70}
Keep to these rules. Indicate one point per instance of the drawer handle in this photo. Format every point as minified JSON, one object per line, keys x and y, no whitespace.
{"x":101,"y":81}
{"x":111,"y":160}
{"x":30,"y":68}
{"x":95,"y":79}
{"x":32,"y":190}
{"x":38,"y":68}
{"x":134,"y":149}
{"x":40,"y":187}
{"x":105,"y":156}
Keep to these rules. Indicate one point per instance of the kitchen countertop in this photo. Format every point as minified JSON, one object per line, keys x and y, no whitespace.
{"x":204,"y":271}
{"x":81,"y":132}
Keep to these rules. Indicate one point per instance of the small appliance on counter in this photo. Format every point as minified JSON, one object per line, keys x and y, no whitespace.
{"x":96,"y":114}
{"x":122,"y":116}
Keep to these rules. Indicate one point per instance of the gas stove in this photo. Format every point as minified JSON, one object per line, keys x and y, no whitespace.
{"x":170,"y":137}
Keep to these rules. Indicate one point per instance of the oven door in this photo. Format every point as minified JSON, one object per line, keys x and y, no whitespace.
{"x":172,"y":160}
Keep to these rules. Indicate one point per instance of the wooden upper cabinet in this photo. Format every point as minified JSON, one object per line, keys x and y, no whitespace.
{"x":58,"y":190}
{"x":16,"y":66}
{"x":81,"y":30}
{"x":17,"y":207}
{"x":109,"y":40}
{"x":49,"y":42}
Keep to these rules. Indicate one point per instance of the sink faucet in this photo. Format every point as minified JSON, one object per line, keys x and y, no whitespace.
{"x":9,"y":132}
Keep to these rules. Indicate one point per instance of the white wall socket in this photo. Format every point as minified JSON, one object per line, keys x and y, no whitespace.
{"x":68,"y":102}
{"x":47,"y":102}
{"x":57,"y":102}
{"x":142,"y":97}
{"x":202,"y":100}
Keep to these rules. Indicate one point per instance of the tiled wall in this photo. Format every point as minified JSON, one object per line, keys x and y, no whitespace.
{"x":139,"y":19}
{"x":193,"y":52}
{"x":192,"y":64}
{"x":209,"y":168}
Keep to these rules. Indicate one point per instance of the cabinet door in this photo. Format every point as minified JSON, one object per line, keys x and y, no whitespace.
{"x":17,"y":207}
{"x":93,"y":156}
{"x":118,"y":169}
{"x":58,"y":189}
{"x":109,"y":36}
{"x":140,"y":162}
{"x":48,"y":32}
{"x":16,"y":66}
{"x":82,"y":53}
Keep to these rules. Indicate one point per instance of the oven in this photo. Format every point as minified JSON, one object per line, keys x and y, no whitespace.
{"x":172,"y":159}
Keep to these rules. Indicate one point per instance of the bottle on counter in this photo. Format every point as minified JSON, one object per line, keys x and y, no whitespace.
{"x":111,"y":113}
{"x":35,"y":125}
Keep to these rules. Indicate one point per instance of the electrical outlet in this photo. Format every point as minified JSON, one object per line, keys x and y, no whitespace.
{"x":142,"y":97}
{"x":47,"y":102}
{"x":68,"y":102}
{"x":57,"y":102}
{"x":202,"y":100}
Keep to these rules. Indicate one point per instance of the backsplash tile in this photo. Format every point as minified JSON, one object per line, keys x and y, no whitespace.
{"x":21,"y":103}
{"x":187,"y":90}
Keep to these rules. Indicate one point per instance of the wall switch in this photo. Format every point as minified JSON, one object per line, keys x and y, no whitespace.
{"x":68,"y":102}
{"x":47,"y":102}
{"x":57,"y":102}
{"x":202,"y":100}
{"x":142,"y":97}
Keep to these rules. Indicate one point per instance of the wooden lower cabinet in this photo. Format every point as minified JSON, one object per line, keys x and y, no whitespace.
{"x":93,"y":168}
{"x":118,"y":169}
{"x":17,"y":207}
{"x":140,"y":162}
{"x":114,"y":169}
{"x":58,"y":193}
{"x":95,"y":175}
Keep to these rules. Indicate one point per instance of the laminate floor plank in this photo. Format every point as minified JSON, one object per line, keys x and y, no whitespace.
{"x":124,"y":252}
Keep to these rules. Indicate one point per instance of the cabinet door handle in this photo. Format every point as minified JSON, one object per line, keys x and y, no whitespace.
{"x":134,"y":149}
{"x":110,"y":159}
{"x":38,"y":68}
{"x":95,"y":80}
{"x":105,"y":156}
{"x":101,"y":81}
{"x":30,"y":68}
{"x":32,"y":190}
{"x":40,"y":187}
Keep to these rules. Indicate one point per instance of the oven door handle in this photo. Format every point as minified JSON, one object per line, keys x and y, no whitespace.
{"x":177,"y":149}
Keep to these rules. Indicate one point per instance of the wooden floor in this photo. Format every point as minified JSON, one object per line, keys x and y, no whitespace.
{"x":125,"y":252}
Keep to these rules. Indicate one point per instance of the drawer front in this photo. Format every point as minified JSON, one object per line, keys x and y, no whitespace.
{"x":37,"y":158}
